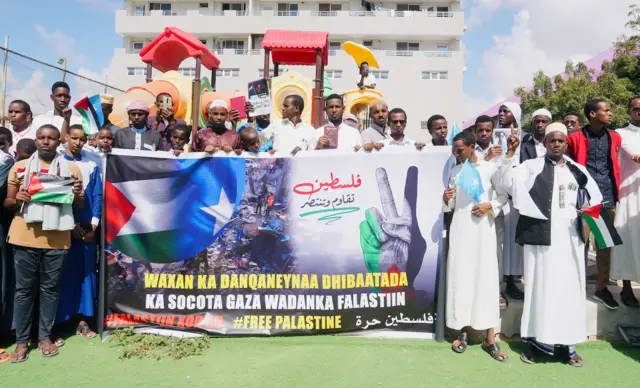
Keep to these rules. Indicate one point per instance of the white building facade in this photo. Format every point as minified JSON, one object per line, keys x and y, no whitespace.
{"x":417,"y":45}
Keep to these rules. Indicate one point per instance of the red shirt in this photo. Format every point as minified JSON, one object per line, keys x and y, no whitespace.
{"x":207,"y":137}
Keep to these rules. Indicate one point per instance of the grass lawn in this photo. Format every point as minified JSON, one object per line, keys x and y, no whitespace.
{"x":322,"y":362}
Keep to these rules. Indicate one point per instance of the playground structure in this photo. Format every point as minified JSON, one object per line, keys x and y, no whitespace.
{"x":191,"y":97}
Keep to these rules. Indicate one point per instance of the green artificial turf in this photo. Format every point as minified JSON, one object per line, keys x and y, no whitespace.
{"x":322,"y":362}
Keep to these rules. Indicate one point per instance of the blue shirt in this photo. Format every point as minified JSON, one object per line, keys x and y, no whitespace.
{"x":599,"y":166}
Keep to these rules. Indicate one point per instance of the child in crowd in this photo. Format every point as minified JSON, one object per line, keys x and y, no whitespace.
{"x":24,"y":149}
{"x":104,"y":140}
{"x":250,"y":140}
{"x":180,"y":138}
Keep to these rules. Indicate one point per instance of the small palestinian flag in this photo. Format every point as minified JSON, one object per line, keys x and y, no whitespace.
{"x":51,"y":189}
{"x":90,"y":109}
{"x":601,"y":226}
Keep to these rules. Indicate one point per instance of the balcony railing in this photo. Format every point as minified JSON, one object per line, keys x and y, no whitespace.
{"x":258,"y":12}
{"x":334,"y":52}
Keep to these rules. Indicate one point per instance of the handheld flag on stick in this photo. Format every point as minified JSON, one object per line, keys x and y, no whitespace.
{"x":455,"y":129}
{"x":469,"y":179}
{"x":601,"y":225}
{"x":90,"y":110}
{"x":51,"y":189}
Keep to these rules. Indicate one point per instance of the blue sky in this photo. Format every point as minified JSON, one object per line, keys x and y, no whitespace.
{"x":506,"y":41}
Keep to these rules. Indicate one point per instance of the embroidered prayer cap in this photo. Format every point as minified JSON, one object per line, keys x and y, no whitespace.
{"x":138,"y":105}
{"x":555,"y":127}
{"x":516,"y":110}
{"x":379,"y":102}
{"x":106,"y":99}
{"x":542,"y":112}
{"x":218,"y":103}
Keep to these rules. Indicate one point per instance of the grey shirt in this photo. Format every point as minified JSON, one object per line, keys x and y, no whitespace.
{"x":128,"y":139}
{"x":374,"y":134}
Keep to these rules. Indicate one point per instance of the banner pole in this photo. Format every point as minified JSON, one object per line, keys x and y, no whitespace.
{"x":102,"y":268}
{"x":442,"y":280}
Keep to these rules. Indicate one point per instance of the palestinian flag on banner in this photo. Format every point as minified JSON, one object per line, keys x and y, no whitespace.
{"x":601,"y":225}
{"x":165,"y":210}
{"x":90,"y":109}
{"x":51,"y":188}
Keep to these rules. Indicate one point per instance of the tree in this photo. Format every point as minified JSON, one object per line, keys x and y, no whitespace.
{"x":619,"y":81}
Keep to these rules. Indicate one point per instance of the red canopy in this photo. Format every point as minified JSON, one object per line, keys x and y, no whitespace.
{"x":296,"y":47}
{"x":168,"y":50}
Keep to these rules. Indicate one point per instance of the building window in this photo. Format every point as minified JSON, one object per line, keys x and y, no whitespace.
{"x":435,"y":75}
{"x":441,"y":12}
{"x":408,"y":7}
{"x":367,"y":43}
{"x":287,"y":9}
{"x":326,"y":9}
{"x":333,"y":47}
{"x":442,"y":47}
{"x":380,"y":74}
{"x":237,"y":45}
{"x":333,"y":74}
{"x":138,"y":71}
{"x":204,"y":5}
{"x":228,"y":73}
{"x":203,"y":41}
{"x":139,"y":10}
{"x":136,"y":47}
{"x":164,"y":7}
{"x":238,"y":7}
{"x":187,"y":71}
{"x":407,"y":46}
{"x":281,"y":71}
{"x":423,"y":124}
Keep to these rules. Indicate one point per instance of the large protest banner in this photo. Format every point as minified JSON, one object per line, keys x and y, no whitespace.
{"x":323,"y":242}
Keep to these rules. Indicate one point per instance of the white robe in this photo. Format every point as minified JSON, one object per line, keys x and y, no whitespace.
{"x":554,"y":310}
{"x":625,"y":262}
{"x":472,"y":265}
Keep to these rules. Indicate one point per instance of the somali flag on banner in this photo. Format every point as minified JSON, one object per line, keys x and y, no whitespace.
{"x":469,"y":179}
{"x":168,"y":210}
{"x":453,"y":132}
{"x":601,"y":225}
{"x":90,"y":109}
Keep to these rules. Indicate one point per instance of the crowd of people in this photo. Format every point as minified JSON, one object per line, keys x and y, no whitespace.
{"x":530,"y":183}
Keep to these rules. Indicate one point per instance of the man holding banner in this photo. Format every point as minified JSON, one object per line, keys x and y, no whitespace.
{"x":547,"y":192}
{"x":475,"y":197}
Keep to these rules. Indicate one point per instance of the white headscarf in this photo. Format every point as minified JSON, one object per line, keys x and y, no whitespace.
{"x":516,"y":110}
{"x":542,"y":112}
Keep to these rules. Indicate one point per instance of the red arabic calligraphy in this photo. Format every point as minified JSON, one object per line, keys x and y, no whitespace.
{"x":310,"y":188}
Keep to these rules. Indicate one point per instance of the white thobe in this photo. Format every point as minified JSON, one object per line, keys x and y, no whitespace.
{"x":472,"y":264}
{"x":286,"y":136}
{"x":625,"y":262}
{"x":348,"y":136}
{"x":554,"y":310}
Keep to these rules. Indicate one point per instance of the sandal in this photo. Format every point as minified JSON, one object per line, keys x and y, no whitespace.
{"x":528,"y":355}
{"x":504,"y":303}
{"x":59,"y":342}
{"x":576,"y":361}
{"x":462,"y":343}
{"x":19,"y":355}
{"x":84,"y":331}
{"x":4,"y":356}
{"x":48,"y":350}
{"x":494,"y":351}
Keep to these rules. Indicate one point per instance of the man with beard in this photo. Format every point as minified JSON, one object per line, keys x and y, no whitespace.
{"x":215,"y":137}
{"x":290,"y":134}
{"x":137,"y":135}
{"x":378,"y":130}
{"x":397,"y":125}
{"x":546,"y":191}
{"x":20,"y":116}
{"x":61,"y":116}
{"x":348,"y":137}
{"x":597,"y":148}
{"x":532,"y":143}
